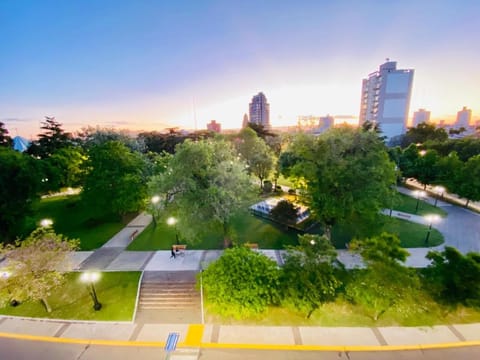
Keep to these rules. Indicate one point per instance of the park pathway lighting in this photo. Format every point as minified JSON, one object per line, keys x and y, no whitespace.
{"x":439,"y":190}
{"x":430,"y":220}
{"x":90,"y":278}
{"x":172,"y":221}
{"x":155,"y":200}
{"x":418,"y":194}
{"x":46,"y":222}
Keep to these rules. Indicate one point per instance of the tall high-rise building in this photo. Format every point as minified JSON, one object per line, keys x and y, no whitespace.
{"x":386,"y":98}
{"x":463,"y":118}
{"x":420,"y":116}
{"x":259,"y":110}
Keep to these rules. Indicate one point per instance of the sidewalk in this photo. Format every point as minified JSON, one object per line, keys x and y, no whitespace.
{"x":244,"y":337}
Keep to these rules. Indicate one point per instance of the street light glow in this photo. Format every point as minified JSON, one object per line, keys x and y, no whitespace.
{"x":5,"y":274}
{"x":90,"y":277}
{"x":46,"y":222}
{"x":155,"y":199}
{"x":171,"y":220}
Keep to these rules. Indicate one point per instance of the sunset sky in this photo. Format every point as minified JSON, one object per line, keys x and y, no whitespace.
{"x":148,"y":64}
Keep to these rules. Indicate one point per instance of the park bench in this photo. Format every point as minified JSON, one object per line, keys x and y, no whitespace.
{"x":253,"y":246}
{"x":180,"y":249}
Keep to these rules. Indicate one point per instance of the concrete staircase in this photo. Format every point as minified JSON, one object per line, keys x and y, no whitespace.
{"x":169,"y":297}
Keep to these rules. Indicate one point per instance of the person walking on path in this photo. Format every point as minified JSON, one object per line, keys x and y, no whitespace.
{"x":173,"y":252}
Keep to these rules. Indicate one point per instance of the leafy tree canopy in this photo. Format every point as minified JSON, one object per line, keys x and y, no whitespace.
{"x":50,"y":140}
{"x":36,"y":266}
{"x":309,"y":278}
{"x":204,"y":185}
{"x":5,"y":139}
{"x":343,"y":173}
{"x":241,"y":282}
{"x":20,"y":179}
{"x":454,"y":277}
{"x":116,"y":181}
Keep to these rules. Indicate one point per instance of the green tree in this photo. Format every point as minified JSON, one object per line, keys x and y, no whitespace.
{"x":36,"y":266}
{"x":448,"y":169}
{"x":204,"y":185}
{"x":384,"y":283}
{"x":408,"y":161}
{"x":426,"y":168}
{"x":469,"y":180}
{"x":422,"y":133}
{"x":454,"y":277}
{"x":308,"y":277}
{"x":5,"y":139}
{"x":256,"y":153}
{"x":50,"y":140}
{"x":285,"y":213}
{"x":241,"y":282}
{"x":20,"y":177}
{"x":95,"y":136}
{"x":344,"y":173}
{"x":116,"y":181}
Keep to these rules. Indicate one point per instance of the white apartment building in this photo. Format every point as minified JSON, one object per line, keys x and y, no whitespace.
{"x":464,"y":117}
{"x":420,"y":116}
{"x":386,"y":98}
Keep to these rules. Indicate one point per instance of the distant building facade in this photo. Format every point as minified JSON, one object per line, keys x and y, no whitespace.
{"x":464,"y":117}
{"x":420,"y":116}
{"x":245,"y":121}
{"x":259,"y":110}
{"x":214,"y":126}
{"x":386,"y":98}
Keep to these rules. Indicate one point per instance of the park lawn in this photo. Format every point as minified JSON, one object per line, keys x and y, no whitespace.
{"x":343,"y":314}
{"x":412,"y":235}
{"x":116,"y":291}
{"x":246,"y":228}
{"x":75,"y":221}
{"x":408,"y":204}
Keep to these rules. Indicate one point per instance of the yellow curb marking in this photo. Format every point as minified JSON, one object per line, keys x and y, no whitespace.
{"x":194,"y":335}
{"x":196,"y":332}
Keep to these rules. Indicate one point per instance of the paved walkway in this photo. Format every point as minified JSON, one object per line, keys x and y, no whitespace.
{"x":113,"y":257}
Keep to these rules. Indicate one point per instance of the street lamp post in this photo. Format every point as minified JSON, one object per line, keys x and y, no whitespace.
{"x":155,"y":199}
{"x":430,"y":219}
{"x":172,"y":221}
{"x":439,"y":190}
{"x":418,"y":195}
{"x":91,"y":278}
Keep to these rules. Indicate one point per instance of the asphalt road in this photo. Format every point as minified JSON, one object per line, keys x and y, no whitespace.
{"x":461,"y":229}
{"x":12,"y":349}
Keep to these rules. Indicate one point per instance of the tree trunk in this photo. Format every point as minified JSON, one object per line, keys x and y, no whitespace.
{"x":46,"y":305}
{"x":227,"y":243}
{"x":328,"y":232}
{"x":468,"y":201}
{"x":311,"y":311}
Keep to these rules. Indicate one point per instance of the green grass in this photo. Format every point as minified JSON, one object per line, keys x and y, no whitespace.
{"x":412,"y":235}
{"x":343,"y":314}
{"x":75,"y":221}
{"x":246,"y":228}
{"x":116,"y":292}
{"x":408,"y":204}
